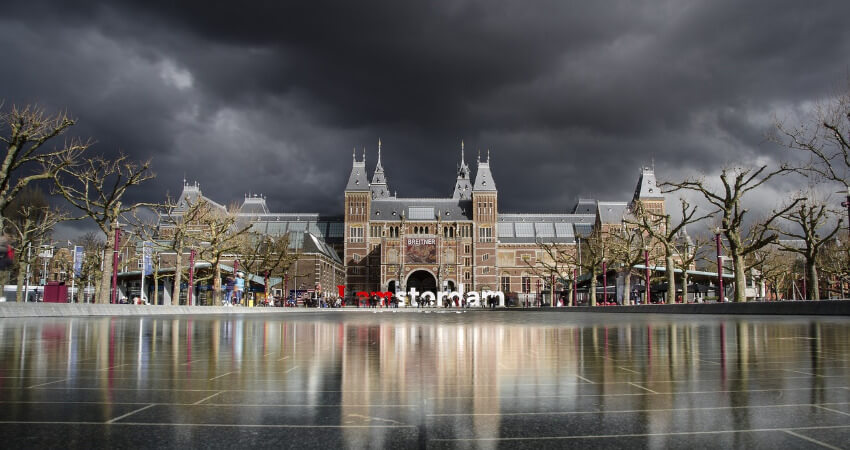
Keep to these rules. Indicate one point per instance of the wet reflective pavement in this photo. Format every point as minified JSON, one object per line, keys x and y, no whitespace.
{"x":357,"y":379}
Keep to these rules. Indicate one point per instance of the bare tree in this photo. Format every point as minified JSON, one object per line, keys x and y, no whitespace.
{"x":627,"y":245}
{"x":736,"y":183}
{"x":834,"y":262}
{"x":658,"y":227}
{"x":811,"y":218}
{"x":97,"y":187}
{"x":824,"y":138}
{"x":687,"y":252}
{"x":558,"y":261}
{"x":264,"y":254}
{"x":218,"y":236}
{"x":25,"y":133}
{"x":30,"y":221}
{"x":774,"y":266}
{"x":93,"y":250}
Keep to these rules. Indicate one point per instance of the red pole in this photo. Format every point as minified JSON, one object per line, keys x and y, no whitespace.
{"x":552,"y":290}
{"x":575,"y":287}
{"x":719,"y":269}
{"x":646,"y":286}
{"x":604,"y":282}
{"x":191,"y":277}
{"x":115,"y":265}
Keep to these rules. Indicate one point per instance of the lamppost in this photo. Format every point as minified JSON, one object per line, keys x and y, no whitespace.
{"x":604,"y":282}
{"x":722,"y":295}
{"x":647,"y":290}
{"x":575,"y":286}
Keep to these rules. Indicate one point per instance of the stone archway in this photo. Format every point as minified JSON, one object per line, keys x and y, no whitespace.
{"x":422,"y":281}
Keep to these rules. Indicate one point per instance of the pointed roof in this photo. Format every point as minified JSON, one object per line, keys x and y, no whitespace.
{"x":483,"y":177}
{"x":357,"y":181}
{"x":379,"y":180}
{"x":646,"y":188}
{"x":463,"y":185}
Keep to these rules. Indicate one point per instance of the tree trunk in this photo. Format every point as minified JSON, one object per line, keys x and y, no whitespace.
{"x":22,"y":274}
{"x":156,"y":288}
{"x":593,"y":288}
{"x":671,"y":276}
{"x":178,"y":272}
{"x":684,"y":285}
{"x":813,"y":286}
{"x":217,"y":284}
{"x":740,"y":279}
{"x":104,"y":294}
{"x":627,"y":288}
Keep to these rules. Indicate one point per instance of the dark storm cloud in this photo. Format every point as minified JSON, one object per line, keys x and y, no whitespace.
{"x":571,"y":97}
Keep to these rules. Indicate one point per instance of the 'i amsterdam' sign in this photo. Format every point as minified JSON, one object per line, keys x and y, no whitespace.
{"x":420,"y":251}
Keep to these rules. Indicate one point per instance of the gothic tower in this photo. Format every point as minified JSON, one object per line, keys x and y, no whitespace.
{"x":463,"y":186}
{"x":485,"y":215}
{"x":357,"y":204}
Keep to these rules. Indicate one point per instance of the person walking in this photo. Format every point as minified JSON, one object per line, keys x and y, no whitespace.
{"x":238,"y":288}
{"x":229,"y":284}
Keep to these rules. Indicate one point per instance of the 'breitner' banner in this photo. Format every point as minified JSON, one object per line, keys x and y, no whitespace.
{"x":420,"y":251}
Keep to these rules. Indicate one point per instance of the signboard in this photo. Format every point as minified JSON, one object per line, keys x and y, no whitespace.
{"x":147,"y":251}
{"x":78,"y":260}
{"x":420,"y":251}
{"x":45,"y":251}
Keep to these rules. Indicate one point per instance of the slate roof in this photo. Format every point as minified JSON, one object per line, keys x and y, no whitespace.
{"x":483,"y":178}
{"x":357,"y":180}
{"x":612,"y":212}
{"x":532,"y":228}
{"x":449,"y":209}
{"x":647,"y":186}
{"x":254,"y":205}
{"x":585,"y":206}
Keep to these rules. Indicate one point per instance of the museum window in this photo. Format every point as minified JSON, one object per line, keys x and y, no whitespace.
{"x":506,"y":283}
{"x":467,"y":261}
{"x":485,"y":234}
{"x":355,"y":234}
{"x":466,"y":248}
{"x":526,"y":284}
{"x":466,"y":276}
{"x":486,"y":270}
{"x":485,"y":257}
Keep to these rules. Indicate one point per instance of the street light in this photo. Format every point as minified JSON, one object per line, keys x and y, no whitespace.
{"x":721,"y":297}
{"x":646,"y":267}
{"x":604,"y":282}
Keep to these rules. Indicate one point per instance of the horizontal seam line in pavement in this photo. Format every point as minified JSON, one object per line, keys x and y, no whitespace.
{"x":628,"y":394}
{"x":234,"y":425}
{"x":673,"y":433}
{"x":111,"y":421}
{"x":813,"y":440}
{"x":623,"y":411}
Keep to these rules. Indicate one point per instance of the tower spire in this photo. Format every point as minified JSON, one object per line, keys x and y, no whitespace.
{"x":353,"y":154}
{"x":461,"y":151}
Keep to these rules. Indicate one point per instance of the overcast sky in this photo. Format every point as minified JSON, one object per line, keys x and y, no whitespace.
{"x":571,"y":98}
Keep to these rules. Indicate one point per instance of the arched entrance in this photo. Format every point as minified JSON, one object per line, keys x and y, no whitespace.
{"x":422,"y":281}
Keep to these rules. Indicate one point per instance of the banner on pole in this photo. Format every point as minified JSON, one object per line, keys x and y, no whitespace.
{"x":147,"y":263}
{"x":78,"y":261}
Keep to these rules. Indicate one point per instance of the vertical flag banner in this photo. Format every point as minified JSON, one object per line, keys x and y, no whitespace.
{"x":78,"y":260}
{"x":147,"y":251}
